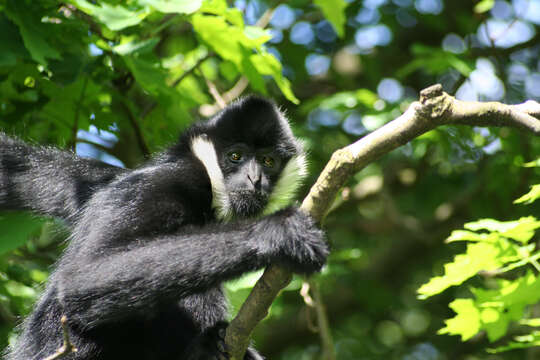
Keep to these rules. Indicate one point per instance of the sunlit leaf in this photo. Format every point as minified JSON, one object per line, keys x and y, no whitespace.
{"x":521,"y":342}
{"x":529,"y":197}
{"x":247,"y":281}
{"x":334,"y":12}
{"x":173,"y":6}
{"x":479,"y":256}
{"x":128,"y":47}
{"x":467,"y":321}
{"x":484,"y":6}
{"x":521,"y":230}
{"x":464,"y":235}
{"x":267,"y":64}
{"x":114,"y":17}
{"x":34,"y":32}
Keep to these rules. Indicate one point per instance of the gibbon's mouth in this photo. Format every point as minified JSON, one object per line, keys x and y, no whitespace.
{"x":246,"y":203}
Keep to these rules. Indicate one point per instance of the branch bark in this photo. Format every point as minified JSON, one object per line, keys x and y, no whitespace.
{"x":434,"y":108}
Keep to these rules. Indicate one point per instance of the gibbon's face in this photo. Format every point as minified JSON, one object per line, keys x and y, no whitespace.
{"x":253,"y":161}
{"x":249,"y":175}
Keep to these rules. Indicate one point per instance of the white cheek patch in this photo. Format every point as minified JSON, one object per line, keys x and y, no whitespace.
{"x":204,"y":150}
{"x":288,"y":183}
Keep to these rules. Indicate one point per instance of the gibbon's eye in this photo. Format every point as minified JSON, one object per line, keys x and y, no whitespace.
{"x":235,"y":156}
{"x":268,"y":161}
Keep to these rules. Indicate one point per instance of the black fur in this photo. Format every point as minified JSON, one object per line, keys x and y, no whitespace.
{"x":141,"y":277}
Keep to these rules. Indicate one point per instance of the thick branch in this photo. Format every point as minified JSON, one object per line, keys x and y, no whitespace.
{"x":435,"y":108}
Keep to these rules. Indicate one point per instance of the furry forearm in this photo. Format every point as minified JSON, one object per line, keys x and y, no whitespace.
{"x":177,"y":266}
{"x":45,"y":180}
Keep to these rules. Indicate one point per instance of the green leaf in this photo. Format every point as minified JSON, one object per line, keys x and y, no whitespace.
{"x":11,"y":43}
{"x":334,"y":12}
{"x":534,"y":163}
{"x":224,"y":39}
{"x":463,"y":235}
{"x":522,"y":342}
{"x":529,"y":197}
{"x":34,"y":33}
{"x":173,"y":6}
{"x":479,"y":256}
{"x":236,"y":43}
{"x":521,"y":230}
{"x":114,"y":17}
{"x":16,"y":229}
{"x":493,"y":310}
{"x":152,"y":78}
{"x":129,"y":45}
{"x":467,"y":321}
{"x":220,"y":7}
{"x":267,"y":64}
{"x":530,"y":322}
{"x":434,"y":61}
{"x":246,"y":281}
{"x":484,"y":6}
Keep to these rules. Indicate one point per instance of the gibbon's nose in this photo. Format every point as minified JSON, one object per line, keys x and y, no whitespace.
{"x":254,"y":174}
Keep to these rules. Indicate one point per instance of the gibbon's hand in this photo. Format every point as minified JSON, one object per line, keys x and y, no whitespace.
{"x":303,"y":247}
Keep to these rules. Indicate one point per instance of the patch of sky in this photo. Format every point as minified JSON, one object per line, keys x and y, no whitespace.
{"x":317,"y":64}
{"x":505,"y":33}
{"x":454,"y":43}
{"x":402,"y":3}
{"x":532,"y":86}
{"x":390,"y":90}
{"x":325,"y":32}
{"x":405,"y":19}
{"x":528,"y":10}
{"x":517,"y":73}
{"x":302,"y":33}
{"x":283,"y":17}
{"x":277,"y":36}
{"x":353,"y":124}
{"x":367,"y":16}
{"x":432,"y":7}
{"x":502,"y":10}
{"x":323,"y":117}
{"x":374,"y":4}
{"x":370,"y":36}
{"x":253,"y":11}
{"x":94,"y":50}
{"x":90,"y":151}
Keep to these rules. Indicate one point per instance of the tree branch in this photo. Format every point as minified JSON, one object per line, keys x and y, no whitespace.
{"x":435,"y":108}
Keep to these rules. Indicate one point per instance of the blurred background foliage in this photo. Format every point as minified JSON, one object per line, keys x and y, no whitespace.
{"x":117,"y":80}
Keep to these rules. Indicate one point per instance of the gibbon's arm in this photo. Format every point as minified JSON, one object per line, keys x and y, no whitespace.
{"x":169,"y":267}
{"x":48,"y":181}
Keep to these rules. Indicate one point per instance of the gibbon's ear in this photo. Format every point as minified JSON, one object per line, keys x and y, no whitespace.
{"x":289,"y":181}
{"x":204,"y":150}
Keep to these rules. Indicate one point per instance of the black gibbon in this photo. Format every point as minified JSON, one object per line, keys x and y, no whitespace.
{"x":150,"y":247}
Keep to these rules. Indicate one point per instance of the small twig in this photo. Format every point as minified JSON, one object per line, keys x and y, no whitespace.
{"x":152,"y":105}
{"x":214,"y":91}
{"x":327,"y":342}
{"x":237,"y":90}
{"x":265,"y":18}
{"x":322,"y":328}
{"x":138,"y":131}
{"x":67,"y":347}
{"x":78,"y":105}
{"x":192,"y":69}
